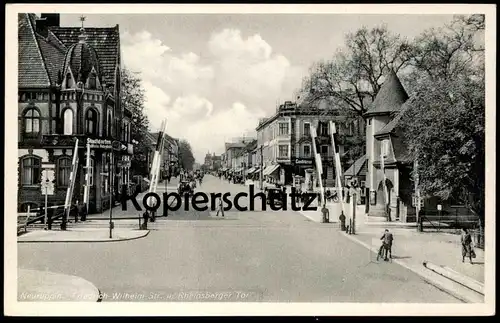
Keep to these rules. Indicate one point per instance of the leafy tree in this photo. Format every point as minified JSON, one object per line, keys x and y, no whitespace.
{"x":447,"y":52}
{"x":444,"y":124}
{"x":352,"y":78}
{"x":186,"y":157}
{"x":445,"y":130}
{"x":350,"y":81}
{"x":132,"y":98}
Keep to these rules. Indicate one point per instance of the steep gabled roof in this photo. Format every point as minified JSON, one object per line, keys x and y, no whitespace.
{"x":53,"y":57}
{"x":357,"y":168}
{"x":104,"y":40}
{"x":32,"y":71}
{"x":391,"y":126}
{"x":390,"y":98}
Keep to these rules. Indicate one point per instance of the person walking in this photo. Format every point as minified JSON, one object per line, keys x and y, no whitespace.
{"x":466,"y":240}
{"x":386,"y":247}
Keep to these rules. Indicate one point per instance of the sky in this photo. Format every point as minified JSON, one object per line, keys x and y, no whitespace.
{"x":213,"y":76}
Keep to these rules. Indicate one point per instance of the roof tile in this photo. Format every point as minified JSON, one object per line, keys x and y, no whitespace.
{"x":104,"y":40}
{"x":31,"y":68}
{"x":390,"y":97}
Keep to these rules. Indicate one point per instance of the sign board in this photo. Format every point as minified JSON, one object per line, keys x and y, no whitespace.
{"x":303,"y":161}
{"x":47,"y":183}
{"x":99,"y":143}
{"x":440,"y":207}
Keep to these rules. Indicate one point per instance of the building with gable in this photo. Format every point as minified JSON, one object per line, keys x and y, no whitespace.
{"x":69,"y":88}
{"x":385,"y":160}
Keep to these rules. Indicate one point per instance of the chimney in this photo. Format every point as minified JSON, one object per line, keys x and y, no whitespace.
{"x":41,"y":27}
{"x":52,"y":19}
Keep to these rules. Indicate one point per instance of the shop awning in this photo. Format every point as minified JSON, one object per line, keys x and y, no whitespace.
{"x":270,"y":169}
{"x":251,"y":170}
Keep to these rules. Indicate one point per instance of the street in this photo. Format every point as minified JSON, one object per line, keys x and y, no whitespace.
{"x":259,"y":256}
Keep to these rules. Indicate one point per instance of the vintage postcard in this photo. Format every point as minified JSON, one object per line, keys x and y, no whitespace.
{"x":250,"y":160}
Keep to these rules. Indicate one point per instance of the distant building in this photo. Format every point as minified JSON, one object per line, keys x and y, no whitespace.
{"x":170,"y":155}
{"x":285,"y":140}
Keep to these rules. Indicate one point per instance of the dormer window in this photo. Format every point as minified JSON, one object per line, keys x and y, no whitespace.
{"x":69,"y":81}
{"x":92,"y":81}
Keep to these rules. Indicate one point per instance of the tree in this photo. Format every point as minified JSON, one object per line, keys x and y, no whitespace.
{"x":445,"y":120}
{"x":443,"y":53}
{"x":353,"y":78}
{"x":445,"y":130}
{"x":186,"y":158}
{"x":132,"y":98}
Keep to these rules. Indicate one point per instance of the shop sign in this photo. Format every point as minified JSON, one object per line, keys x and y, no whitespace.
{"x":303,"y":161}
{"x":99,"y":143}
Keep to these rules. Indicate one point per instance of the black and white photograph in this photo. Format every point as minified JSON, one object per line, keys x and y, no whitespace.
{"x":250,"y":159}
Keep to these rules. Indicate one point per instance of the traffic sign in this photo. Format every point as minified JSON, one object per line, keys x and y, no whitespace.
{"x":439,"y":207}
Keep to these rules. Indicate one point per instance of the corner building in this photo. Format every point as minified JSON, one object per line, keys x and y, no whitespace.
{"x":69,"y":88}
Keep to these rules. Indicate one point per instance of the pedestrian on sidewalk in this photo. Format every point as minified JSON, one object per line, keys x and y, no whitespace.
{"x":466,"y":240}
{"x":386,"y":247}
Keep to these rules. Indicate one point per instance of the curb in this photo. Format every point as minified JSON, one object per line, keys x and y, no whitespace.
{"x":85,"y":241}
{"x":457,"y":277}
{"x":432,"y":281}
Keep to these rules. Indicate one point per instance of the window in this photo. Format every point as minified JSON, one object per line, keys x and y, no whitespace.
{"x":92,"y":82}
{"x":283,"y":151}
{"x":109,"y":125}
{"x":283,"y":128}
{"x":32,"y":122}
{"x":69,"y":81}
{"x":91,"y":172}
{"x":307,"y":129}
{"x":30,"y":172}
{"x":91,"y":122}
{"x":324,"y":150}
{"x":307,"y":151}
{"x":63,"y":171}
{"x":323,"y":128}
{"x":68,"y":121}
{"x":369,"y":121}
{"x":385,"y":147}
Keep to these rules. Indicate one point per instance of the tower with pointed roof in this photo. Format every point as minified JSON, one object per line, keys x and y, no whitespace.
{"x":381,"y":143}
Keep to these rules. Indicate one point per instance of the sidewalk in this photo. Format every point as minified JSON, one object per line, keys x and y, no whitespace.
{"x":39,"y":286}
{"x":82,"y":235}
{"x":413,"y":248}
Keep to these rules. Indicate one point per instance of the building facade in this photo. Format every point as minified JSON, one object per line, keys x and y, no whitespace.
{"x":284,"y":140}
{"x":388,"y":174}
{"x":68,"y":89}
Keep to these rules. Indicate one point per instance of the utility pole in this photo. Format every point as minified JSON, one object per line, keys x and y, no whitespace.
{"x":338,"y":166}
{"x":111,"y":186}
{"x":261,"y":172}
{"x":86,"y":191}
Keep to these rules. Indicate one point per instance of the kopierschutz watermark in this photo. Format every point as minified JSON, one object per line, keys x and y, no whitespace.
{"x":200,"y":201}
